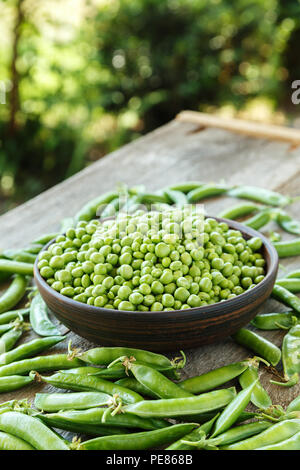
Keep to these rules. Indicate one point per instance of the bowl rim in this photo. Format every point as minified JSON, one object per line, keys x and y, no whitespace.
{"x":211,"y":308}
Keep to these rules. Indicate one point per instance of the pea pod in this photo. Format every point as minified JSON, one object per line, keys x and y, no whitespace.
{"x":293,"y":443}
{"x":232,"y":411}
{"x":274,"y":321}
{"x":90,"y":384}
{"x":39,"y":363}
{"x":286,"y":249}
{"x":156,"y":382}
{"x":34,"y":248}
{"x":293,"y":274}
{"x":94,"y":417}
{"x":44,"y":239}
{"x":287,"y":223}
{"x":186,"y":186}
{"x":287,"y":298}
{"x":111,"y":209}
{"x":205,"y":191}
{"x":259,"y":396}
{"x":259,"y":220}
{"x":265,"y":196}
{"x":70,"y":401}
{"x":133,"y":384}
{"x":16,"y":267}
{"x":14,"y":293}
{"x":239,"y":210}
{"x":9,"y":339}
{"x":259,"y":345}
{"x":89,"y":210}
{"x":29,"y":349}
{"x":57,"y":421}
{"x":20,"y":255}
{"x":214,"y":378}
{"x":182,"y":406}
{"x":10,"y":442}
{"x":117,"y":371}
{"x":291,"y":357}
{"x":139,"y":441}
{"x":291,"y":284}
{"x":31,"y":430}
{"x":277,"y":433}
{"x":13,"y":314}
{"x":13,"y":382}
{"x":294,"y":405}
{"x":150,"y":198}
{"x":5,"y":328}
{"x":39,"y":319}
{"x":234,"y":434}
{"x":194,"y":436}
{"x":176,"y":197}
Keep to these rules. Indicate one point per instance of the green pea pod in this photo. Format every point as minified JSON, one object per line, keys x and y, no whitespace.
{"x":259,"y":220}
{"x":274,"y":321}
{"x":214,"y":378}
{"x":294,"y":274}
{"x":29,"y":349}
{"x":117,"y":371}
{"x":94,"y":417}
{"x":259,"y":345}
{"x":32,"y":430}
{"x":14,"y":293}
{"x":259,"y":396}
{"x":239,"y":210}
{"x":133,"y":384}
{"x":139,"y":441}
{"x":89,"y":210}
{"x":294,"y":405}
{"x":293,"y":443}
{"x":90,"y":383}
{"x":67,"y":223}
{"x":39,"y":319}
{"x":232,"y":411}
{"x":291,"y":284}
{"x":156,"y":382}
{"x":291,"y":357}
{"x":276,"y":433}
{"x":235,"y":434}
{"x":20,"y":255}
{"x":111,"y":209}
{"x":287,"y":223}
{"x":84,"y":370}
{"x":149,"y":198}
{"x":13,"y":382}
{"x":173,"y":407}
{"x":186,"y":186}
{"x":287,"y":298}
{"x":176,"y":197}
{"x":286,"y":249}
{"x":34,"y":248}
{"x":10,"y":442}
{"x":5,"y":328}
{"x":205,"y":191}
{"x":39,"y":363}
{"x":44,"y":239}
{"x":16,"y":267}
{"x":194,"y":436}
{"x":13,"y":314}
{"x":70,"y":401}
{"x":265,"y":196}
{"x":9,"y":339}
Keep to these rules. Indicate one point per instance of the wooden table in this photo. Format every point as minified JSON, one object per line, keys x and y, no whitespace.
{"x":175,"y":152}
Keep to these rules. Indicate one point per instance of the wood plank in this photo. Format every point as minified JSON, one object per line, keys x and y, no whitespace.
{"x":171,"y":154}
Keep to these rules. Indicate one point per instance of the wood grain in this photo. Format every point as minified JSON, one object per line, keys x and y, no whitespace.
{"x":173,"y":153}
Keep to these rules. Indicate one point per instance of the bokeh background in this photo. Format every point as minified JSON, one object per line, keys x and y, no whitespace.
{"x":83,"y":77}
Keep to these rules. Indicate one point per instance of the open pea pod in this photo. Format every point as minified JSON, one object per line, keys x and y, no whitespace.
{"x":259,"y":396}
{"x":291,"y":357}
{"x":287,"y":223}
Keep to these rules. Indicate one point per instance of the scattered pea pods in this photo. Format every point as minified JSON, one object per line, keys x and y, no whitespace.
{"x":39,"y":318}
{"x":39,"y":363}
{"x":287,"y":298}
{"x":139,"y":441}
{"x":14,"y":293}
{"x":277,"y":433}
{"x":31,"y":430}
{"x":259,"y":345}
{"x":173,"y":407}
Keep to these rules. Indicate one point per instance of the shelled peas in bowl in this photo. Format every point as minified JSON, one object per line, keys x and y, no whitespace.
{"x":154,"y":261}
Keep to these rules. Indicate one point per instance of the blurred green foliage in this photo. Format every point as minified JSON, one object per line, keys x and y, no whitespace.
{"x":83,"y":77}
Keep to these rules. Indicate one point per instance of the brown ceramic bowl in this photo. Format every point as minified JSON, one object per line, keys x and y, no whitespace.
{"x":164,"y":331}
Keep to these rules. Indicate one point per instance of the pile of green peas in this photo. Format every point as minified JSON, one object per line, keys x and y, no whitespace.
{"x":152,"y":261}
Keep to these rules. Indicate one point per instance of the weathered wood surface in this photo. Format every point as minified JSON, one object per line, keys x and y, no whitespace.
{"x":175,"y":152}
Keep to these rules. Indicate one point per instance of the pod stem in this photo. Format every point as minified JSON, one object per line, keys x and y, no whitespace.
{"x":179,"y":362}
{"x":73,"y":352}
{"x":289,"y":382}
